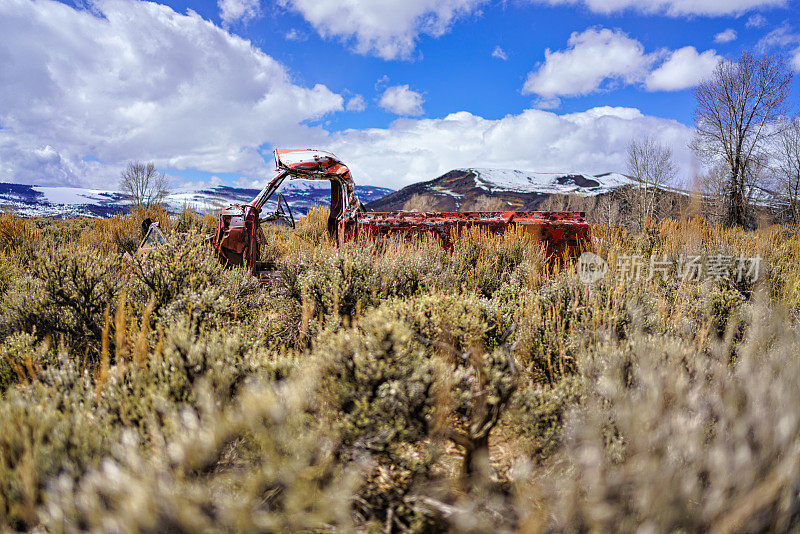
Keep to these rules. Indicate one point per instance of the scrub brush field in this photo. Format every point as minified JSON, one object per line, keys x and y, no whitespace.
{"x":398,"y":387}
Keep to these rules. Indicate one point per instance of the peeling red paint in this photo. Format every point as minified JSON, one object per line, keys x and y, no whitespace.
{"x":560,"y":231}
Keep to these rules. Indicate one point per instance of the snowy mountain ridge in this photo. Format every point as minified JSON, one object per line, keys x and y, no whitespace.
{"x":495,"y":180}
{"x":455,"y":190}
{"x":467,"y":189}
{"x":62,"y":202}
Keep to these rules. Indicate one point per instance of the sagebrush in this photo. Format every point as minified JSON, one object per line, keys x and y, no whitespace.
{"x":394,"y":387}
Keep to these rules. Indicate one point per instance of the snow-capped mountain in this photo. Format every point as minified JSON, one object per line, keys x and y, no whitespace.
{"x":457,"y":190}
{"x":500,"y":180}
{"x":462,"y":189}
{"x":60,"y":202}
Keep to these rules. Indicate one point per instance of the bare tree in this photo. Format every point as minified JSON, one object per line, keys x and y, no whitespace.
{"x":488,"y":203}
{"x":737,"y":111}
{"x":712,"y":191}
{"x":650,"y":163}
{"x":788,"y":169}
{"x":568,"y":202}
{"x":420,"y":203}
{"x":143,"y":184}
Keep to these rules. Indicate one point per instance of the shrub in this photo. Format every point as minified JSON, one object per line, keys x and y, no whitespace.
{"x":46,"y":431}
{"x":391,"y":400}
{"x":6,"y":272}
{"x":454,"y":324}
{"x":191,"y":221}
{"x":538,"y":414}
{"x":377,"y":389}
{"x":481,"y":392}
{"x":15,"y":233}
{"x":395,"y":386}
{"x":377,"y":382}
{"x":22,"y":359}
{"x":681,"y":440}
{"x":484,"y":262}
{"x":66,"y":294}
{"x":314,"y":226}
{"x":185,"y":277}
{"x":198,"y":480}
{"x":343,"y":282}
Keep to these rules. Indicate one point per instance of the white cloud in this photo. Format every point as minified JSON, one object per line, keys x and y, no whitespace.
{"x":388,"y":29}
{"x":356,"y":103}
{"x":593,"y":57}
{"x":756,"y":20}
{"x":600,"y":58}
{"x":238,"y":10}
{"x":139,"y":82}
{"x":726,"y":36}
{"x":783,"y":38}
{"x":672,"y":7}
{"x":401,"y":100}
{"x":78,"y":87}
{"x":547,"y":103}
{"x":592,"y":141}
{"x":25,"y":159}
{"x":685,"y":68}
{"x":499,"y":53}
{"x":294,"y":35}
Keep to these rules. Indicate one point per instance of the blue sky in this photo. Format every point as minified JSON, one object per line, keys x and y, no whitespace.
{"x":456,"y":71}
{"x":402,"y":91}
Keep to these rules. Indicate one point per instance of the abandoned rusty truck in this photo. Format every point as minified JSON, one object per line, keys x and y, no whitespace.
{"x":238,"y":234}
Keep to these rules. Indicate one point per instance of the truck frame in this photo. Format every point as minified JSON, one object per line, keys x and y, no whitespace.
{"x":238,"y":235}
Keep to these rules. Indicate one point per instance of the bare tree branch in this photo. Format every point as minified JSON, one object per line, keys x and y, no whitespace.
{"x":737,"y":111}
{"x":787,"y":170}
{"x":143,"y":184}
{"x":651,"y":165}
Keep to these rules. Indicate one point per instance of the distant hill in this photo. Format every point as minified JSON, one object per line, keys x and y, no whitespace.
{"x":476,"y":189}
{"x":62,"y":202}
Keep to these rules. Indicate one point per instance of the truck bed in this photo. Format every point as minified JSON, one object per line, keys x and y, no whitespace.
{"x":560,"y":231}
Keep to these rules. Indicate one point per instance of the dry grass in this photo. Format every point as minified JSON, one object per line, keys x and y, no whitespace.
{"x":394,"y":387}
{"x":15,"y":232}
{"x":123,"y":233}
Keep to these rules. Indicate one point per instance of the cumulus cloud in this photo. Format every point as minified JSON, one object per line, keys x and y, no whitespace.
{"x":238,"y":10}
{"x":672,"y":7}
{"x":726,"y":36}
{"x":684,"y":68}
{"x":139,"y":81}
{"x":401,"y":100}
{"x":84,"y":92}
{"x":592,"y":141}
{"x":592,"y":57}
{"x":499,"y":53}
{"x":356,"y":103}
{"x":388,"y":29}
{"x":599,"y":58}
{"x":25,"y":159}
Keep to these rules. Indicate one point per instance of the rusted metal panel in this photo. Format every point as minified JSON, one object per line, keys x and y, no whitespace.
{"x":559,"y":231}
